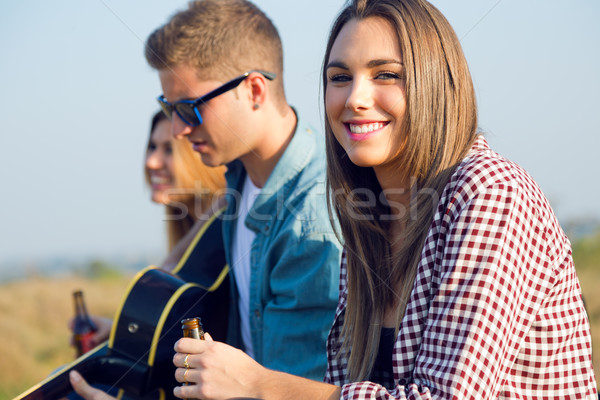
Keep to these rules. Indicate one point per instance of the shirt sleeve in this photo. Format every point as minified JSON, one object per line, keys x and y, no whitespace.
{"x":304,"y":292}
{"x":498,"y":266}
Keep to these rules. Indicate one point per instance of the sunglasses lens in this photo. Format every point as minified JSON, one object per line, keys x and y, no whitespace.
{"x":166,"y":108}
{"x":187,"y":113}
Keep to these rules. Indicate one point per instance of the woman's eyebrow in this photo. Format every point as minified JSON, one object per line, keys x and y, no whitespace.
{"x":370,"y":64}
{"x":336,"y":64}
{"x":377,"y":63}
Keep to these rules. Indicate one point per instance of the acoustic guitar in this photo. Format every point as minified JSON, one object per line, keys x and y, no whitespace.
{"x":137,"y":359}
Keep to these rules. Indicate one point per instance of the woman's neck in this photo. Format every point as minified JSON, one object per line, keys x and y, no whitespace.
{"x":397,"y":190}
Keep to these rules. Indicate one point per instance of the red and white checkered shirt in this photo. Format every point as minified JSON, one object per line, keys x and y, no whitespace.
{"x":496,"y":309}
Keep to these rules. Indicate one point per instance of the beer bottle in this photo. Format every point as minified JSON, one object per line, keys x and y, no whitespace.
{"x":83,"y":327}
{"x":192,"y":328}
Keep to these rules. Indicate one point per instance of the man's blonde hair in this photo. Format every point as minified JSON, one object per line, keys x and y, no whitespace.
{"x":221,"y":39}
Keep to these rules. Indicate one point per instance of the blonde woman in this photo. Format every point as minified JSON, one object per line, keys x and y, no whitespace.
{"x":179,"y":179}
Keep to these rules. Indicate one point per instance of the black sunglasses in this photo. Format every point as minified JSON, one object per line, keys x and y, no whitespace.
{"x":188,"y":111}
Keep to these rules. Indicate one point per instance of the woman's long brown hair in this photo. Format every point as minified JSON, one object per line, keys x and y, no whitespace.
{"x":440,"y":125}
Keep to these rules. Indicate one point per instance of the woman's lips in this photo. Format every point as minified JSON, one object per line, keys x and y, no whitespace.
{"x":363,"y":130}
{"x":200,"y":146}
{"x":160,"y":182}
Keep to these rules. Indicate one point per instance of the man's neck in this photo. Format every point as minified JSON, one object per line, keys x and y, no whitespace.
{"x":262,"y":161}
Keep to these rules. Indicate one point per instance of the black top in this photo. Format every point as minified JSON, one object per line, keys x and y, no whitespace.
{"x":382,"y":372}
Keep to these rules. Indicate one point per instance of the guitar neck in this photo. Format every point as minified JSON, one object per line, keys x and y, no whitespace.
{"x":57,"y":385}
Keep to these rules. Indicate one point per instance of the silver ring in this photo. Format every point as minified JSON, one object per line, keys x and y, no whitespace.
{"x":185,"y":363}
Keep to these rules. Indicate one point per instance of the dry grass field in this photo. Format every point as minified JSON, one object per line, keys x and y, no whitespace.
{"x":586,"y":254}
{"x":590,"y":285}
{"x":33,"y":321}
{"x":34,"y":315}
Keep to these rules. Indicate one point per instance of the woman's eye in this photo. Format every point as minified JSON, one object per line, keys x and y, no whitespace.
{"x":387,"y":76}
{"x":339,"y":78}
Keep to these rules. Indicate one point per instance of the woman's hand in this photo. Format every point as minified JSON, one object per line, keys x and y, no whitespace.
{"x":104,"y":326}
{"x":216,"y":370}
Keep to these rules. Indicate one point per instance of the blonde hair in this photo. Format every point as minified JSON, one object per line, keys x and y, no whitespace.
{"x":220,"y":39}
{"x":196,"y":186}
{"x":440,"y":125}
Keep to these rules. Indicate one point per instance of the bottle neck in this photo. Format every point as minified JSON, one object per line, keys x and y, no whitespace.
{"x":80,"y":309}
{"x":192,"y":328}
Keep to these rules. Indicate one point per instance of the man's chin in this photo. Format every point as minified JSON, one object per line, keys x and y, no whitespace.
{"x":210,"y":161}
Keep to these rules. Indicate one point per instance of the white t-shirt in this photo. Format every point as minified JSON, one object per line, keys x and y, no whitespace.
{"x":242,"y":243}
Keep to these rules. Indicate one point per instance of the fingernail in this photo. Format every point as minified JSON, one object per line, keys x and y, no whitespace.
{"x":74,"y":376}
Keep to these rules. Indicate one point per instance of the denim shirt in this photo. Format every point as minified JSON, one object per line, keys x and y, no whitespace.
{"x":294,"y":260}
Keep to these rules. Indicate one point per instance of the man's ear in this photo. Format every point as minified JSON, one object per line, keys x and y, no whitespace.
{"x":258,"y":89}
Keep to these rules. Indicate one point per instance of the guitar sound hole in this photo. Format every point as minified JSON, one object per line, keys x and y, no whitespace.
{"x":133,"y":327}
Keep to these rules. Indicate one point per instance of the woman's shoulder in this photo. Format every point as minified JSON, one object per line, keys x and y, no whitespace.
{"x":498,"y":184}
{"x":483,"y":169}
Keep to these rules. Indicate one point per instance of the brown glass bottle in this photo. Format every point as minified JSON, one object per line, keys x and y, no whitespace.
{"x":83,"y":326}
{"x":192,"y":328}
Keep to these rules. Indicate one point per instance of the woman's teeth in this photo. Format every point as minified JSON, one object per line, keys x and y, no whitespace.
{"x":159,"y":180}
{"x":365,"y":128}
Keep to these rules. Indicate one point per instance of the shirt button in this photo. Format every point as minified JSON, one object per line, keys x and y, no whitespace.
{"x":257,"y":313}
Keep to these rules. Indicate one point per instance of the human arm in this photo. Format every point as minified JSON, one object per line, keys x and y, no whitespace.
{"x":219,"y":371}
{"x":299,"y":296}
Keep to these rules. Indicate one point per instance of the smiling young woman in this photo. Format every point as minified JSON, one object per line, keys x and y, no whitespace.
{"x":405,"y":70}
{"x":457,"y":279}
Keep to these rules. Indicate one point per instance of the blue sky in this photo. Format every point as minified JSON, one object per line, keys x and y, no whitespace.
{"x":77,"y":98}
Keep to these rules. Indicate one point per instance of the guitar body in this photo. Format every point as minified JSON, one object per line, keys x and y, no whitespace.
{"x":137,"y":358}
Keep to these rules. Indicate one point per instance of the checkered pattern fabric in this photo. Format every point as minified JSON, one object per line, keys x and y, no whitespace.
{"x":496,"y":310}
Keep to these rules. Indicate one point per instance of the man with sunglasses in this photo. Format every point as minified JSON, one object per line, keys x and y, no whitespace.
{"x":220,"y":67}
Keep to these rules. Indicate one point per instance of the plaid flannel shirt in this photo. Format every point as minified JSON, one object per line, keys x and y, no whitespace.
{"x":496,"y":309}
